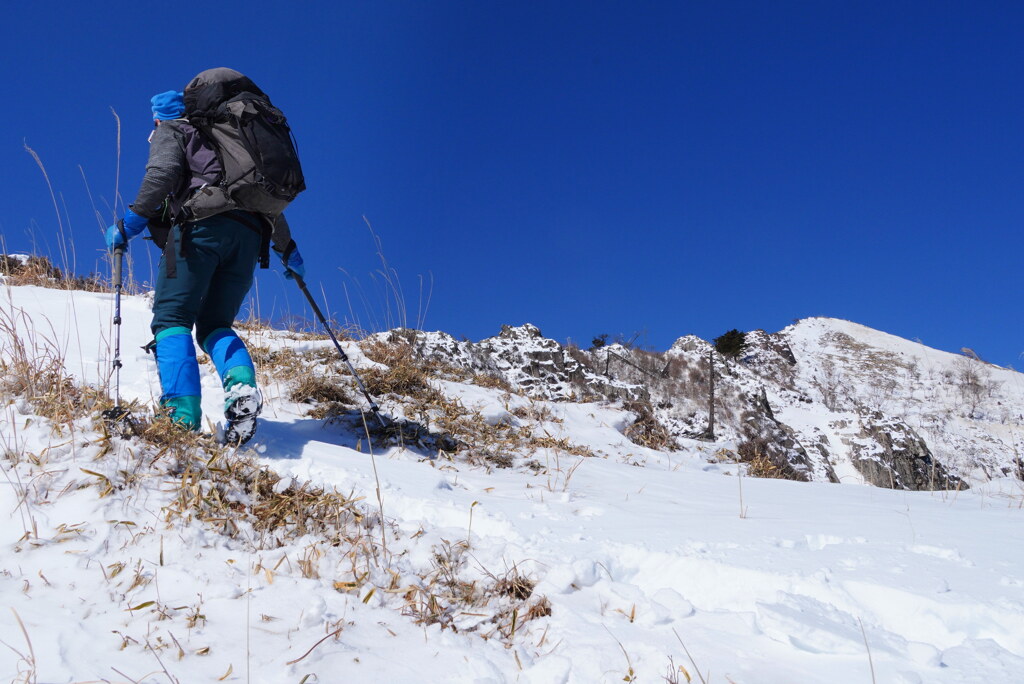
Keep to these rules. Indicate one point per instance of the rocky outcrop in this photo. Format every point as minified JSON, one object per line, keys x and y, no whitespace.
{"x":774,"y":448}
{"x":538,"y":367}
{"x":889,"y":453}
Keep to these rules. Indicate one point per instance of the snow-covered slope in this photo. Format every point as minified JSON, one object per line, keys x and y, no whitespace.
{"x":591,"y":559}
{"x":968,"y":412}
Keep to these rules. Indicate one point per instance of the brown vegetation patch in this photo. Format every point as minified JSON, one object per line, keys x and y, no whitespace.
{"x":33,"y":367}
{"x":563,"y":445}
{"x":495,"y":381}
{"x":404,"y":373}
{"x":39,"y":271}
{"x":646,"y":430}
{"x":314,"y":389}
{"x":755,"y":452}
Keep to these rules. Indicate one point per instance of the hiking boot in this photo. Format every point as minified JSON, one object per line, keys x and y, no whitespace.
{"x":241,"y":411}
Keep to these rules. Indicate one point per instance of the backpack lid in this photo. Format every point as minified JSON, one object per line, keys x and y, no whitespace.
{"x":211,"y":88}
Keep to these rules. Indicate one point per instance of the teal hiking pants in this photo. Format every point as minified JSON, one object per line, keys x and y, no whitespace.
{"x":214,"y":274}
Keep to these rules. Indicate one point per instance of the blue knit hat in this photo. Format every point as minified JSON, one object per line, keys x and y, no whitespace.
{"x":169,"y":105}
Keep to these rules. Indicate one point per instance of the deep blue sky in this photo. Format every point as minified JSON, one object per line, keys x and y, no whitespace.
{"x":590,"y":167}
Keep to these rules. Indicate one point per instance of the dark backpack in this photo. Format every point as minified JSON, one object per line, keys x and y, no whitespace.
{"x":254,"y":165}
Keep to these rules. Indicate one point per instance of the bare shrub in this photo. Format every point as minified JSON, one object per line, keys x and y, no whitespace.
{"x":973,"y":381}
{"x":579,"y":356}
{"x":829,"y":383}
{"x":754,"y":453}
{"x":763,"y":455}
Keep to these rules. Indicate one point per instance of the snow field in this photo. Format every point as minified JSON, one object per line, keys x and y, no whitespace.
{"x":643,"y":555}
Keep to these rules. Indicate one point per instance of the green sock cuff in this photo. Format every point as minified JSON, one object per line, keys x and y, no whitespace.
{"x":167,"y":332}
{"x":239,"y":375}
{"x":186,"y":411}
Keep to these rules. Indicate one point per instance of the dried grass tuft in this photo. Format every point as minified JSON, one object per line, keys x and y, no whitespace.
{"x":754,"y":452}
{"x":563,"y":445}
{"x":492,"y":381}
{"x":32,"y":366}
{"x":39,"y":271}
{"x":404,"y":373}
{"x":646,"y":430}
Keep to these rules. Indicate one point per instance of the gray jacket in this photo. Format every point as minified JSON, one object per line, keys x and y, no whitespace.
{"x":168,"y":174}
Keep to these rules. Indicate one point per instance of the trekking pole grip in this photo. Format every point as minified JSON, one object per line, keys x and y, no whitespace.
{"x":118,"y":269}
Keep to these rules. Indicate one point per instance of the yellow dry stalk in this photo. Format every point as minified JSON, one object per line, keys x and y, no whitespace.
{"x":65,"y":532}
{"x":309,"y":561}
{"x":106,"y":487}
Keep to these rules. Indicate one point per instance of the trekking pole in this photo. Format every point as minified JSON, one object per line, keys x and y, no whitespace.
{"x":118,"y":267}
{"x":118,"y":418}
{"x":344,"y":357}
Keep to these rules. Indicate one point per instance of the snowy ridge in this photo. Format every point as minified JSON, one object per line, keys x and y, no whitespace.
{"x":968,"y":412}
{"x":638,"y":555}
{"x":823,"y":400}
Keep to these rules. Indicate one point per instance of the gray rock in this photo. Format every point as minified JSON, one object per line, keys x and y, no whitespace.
{"x":889,"y":453}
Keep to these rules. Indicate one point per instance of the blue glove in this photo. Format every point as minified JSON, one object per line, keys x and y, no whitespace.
{"x":133,"y":225}
{"x":293,"y":265}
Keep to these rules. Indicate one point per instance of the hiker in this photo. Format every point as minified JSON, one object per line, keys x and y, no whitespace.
{"x":207,"y":264}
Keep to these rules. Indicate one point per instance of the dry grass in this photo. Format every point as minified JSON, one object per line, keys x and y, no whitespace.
{"x":536,"y":411}
{"x":646,"y":430}
{"x":563,"y":445}
{"x":243,"y":499}
{"x":754,"y":452}
{"x":32,"y":366}
{"x":483,"y":443}
{"x":232,"y":492}
{"x":228,"y":491}
{"x":311,"y":389}
{"x":316,"y":377}
{"x":404,"y":373}
{"x":38,"y":271}
{"x":495,"y":607}
{"x":489,"y":381}
{"x":329,"y":397}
